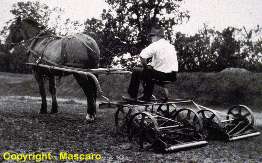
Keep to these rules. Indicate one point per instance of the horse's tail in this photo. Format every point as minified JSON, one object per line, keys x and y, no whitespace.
{"x":97,"y":85}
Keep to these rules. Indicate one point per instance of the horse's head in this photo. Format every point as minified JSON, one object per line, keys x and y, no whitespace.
{"x":15,"y":34}
{"x":23,"y":29}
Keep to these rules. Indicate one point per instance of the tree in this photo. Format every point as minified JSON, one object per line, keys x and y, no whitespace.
{"x":226,"y":47}
{"x":50,"y":18}
{"x":96,"y":29}
{"x":195,"y":52}
{"x":35,"y":10}
{"x":127,"y":22}
{"x":251,"y":47}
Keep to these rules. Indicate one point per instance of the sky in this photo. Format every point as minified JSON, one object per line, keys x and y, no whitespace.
{"x":222,"y":13}
{"x":217,"y":14}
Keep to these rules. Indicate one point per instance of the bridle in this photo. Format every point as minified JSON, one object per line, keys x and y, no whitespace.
{"x":23,"y":41}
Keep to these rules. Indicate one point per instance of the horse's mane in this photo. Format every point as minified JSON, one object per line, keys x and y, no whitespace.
{"x":33,"y":22}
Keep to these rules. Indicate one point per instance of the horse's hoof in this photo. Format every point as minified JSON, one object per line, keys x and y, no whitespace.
{"x":90,"y":118}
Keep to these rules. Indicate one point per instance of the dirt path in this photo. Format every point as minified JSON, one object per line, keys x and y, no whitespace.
{"x":23,"y":130}
{"x":257,"y":115}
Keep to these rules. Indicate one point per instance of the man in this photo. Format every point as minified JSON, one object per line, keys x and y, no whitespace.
{"x":163,"y":67}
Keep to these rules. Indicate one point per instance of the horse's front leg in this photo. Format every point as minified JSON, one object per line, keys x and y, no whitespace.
{"x":40,"y":81}
{"x":52,"y":90}
{"x":89,"y":89}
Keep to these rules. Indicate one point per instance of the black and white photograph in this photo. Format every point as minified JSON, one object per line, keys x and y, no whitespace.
{"x":131,"y":81}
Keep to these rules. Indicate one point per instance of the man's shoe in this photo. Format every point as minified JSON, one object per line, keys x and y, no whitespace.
{"x":129,"y":98}
{"x":144,"y":99}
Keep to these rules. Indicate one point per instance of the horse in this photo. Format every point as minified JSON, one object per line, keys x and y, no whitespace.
{"x":76,"y":51}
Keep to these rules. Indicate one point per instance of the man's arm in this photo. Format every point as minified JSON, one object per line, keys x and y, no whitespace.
{"x":145,"y":54}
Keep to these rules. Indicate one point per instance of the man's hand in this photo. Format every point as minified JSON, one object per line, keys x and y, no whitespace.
{"x":144,"y":63}
{"x":149,"y":67}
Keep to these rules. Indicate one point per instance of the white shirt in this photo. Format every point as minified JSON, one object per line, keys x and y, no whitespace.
{"x":164,"y":57}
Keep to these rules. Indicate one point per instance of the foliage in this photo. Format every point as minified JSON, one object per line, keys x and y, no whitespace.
{"x":251,"y":47}
{"x":126,"y":61}
{"x":61,"y":25}
{"x":127,"y":23}
{"x":50,"y":18}
{"x":211,"y":50}
{"x":33,"y":10}
{"x":195,"y":52}
{"x":228,"y":49}
{"x":124,"y":27}
{"x":96,"y":29}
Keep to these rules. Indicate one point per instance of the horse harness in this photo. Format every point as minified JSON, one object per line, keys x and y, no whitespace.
{"x":40,"y":57}
{"x":36,"y":55}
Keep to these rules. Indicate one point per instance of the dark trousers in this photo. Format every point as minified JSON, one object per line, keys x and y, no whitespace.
{"x":147,"y":76}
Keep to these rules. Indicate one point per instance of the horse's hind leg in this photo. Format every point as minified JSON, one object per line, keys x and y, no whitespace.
{"x":40,"y":80}
{"x":89,"y":89}
{"x":52,"y":90}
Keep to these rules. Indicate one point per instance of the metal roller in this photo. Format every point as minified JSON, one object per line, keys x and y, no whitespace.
{"x":185,"y":146}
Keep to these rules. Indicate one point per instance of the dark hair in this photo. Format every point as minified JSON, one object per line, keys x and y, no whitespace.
{"x":157,"y":31}
{"x":33,"y":22}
